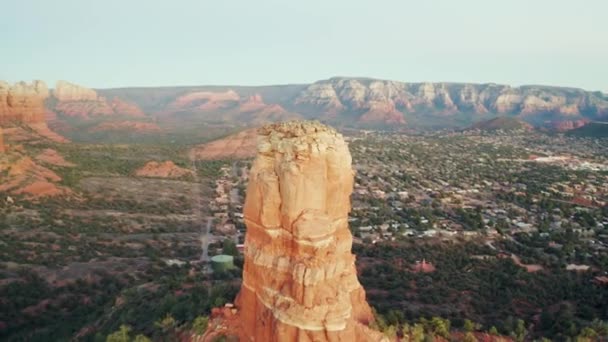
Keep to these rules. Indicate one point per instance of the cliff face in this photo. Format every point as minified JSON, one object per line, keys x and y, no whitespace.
{"x":370,"y":100}
{"x":299,"y":277}
{"x":568,"y":125}
{"x":22,"y":102}
{"x":2,"y":147}
{"x":75,"y":100}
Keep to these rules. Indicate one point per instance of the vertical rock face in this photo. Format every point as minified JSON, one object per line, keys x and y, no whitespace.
{"x":2,"y":147}
{"x":299,"y":277}
{"x":66,"y":91}
{"x":380,"y":101}
{"x":74,"y":100}
{"x":79,"y":101}
{"x":22,"y":102}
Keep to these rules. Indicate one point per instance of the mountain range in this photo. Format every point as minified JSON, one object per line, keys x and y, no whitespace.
{"x":341,"y":101}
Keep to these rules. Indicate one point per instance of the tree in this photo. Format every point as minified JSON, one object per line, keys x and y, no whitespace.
{"x":469,"y":337}
{"x":468,"y":325}
{"x":520,"y":331}
{"x":412,"y":333}
{"x":121,"y":335}
{"x":493,"y":331}
{"x":440,"y":327}
{"x":200,"y":325}
{"x":586,"y":335}
{"x":166,"y":324}
{"x":390,"y":332}
{"x":141,"y":338}
{"x":229,"y":247}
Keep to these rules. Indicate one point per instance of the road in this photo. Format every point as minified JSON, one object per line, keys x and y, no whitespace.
{"x":197,"y":208}
{"x":205,"y":240}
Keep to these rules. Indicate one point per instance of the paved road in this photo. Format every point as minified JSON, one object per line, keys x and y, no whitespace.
{"x":205,"y":240}
{"x":198,"y":212}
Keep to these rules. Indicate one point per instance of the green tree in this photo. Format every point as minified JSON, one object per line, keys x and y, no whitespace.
{"x":229,"y":247}
{"x":141,"y":338}
{"x":440,"y":327}
{"x":493,"y":331}
{"x":520,"y":332}
{"x":200,"y":325}
{"x":469,"y":337}
{"x":468,"y":325}
{"x":587,"y":334}
{"x":166,"y":324}
{"x":412,"y":333}
{"x":121,"y":335}
{"x":390,"y":332}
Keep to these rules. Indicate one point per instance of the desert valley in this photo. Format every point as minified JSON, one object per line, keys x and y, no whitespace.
{"x":478,"y":211}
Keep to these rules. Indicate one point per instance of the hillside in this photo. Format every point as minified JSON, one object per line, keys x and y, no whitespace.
{"x":502,"y":123}
{"x":591,"y":130}
{"x":240,"y":145}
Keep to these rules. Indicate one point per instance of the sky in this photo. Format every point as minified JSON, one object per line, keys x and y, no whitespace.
{"x":119,"y":43}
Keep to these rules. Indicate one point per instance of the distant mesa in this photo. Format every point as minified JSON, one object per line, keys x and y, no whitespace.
{"x":342,"y":101}
{"x":241,"y":145}
{"x":503,"y":123}
{"x":166,"y":169}
{"x":368,"y":100}
{"x":364,"y":102}
{"x":126,"y":125}
{"x":205,"y":101}
{"x":77,"y":101}
{"x":69,"y":92}
{"x":228,"y":106}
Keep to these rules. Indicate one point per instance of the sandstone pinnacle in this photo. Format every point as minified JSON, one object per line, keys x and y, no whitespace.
{"x":299,"y":277}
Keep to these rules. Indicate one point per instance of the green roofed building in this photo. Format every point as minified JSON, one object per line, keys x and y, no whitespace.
{"x":222,"y":263}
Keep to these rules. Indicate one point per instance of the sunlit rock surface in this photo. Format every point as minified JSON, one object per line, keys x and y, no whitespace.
{"x":299,"y":277}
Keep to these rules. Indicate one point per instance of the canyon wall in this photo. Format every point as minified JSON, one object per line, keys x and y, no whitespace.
{"x":391,"y":102}
{"x":2,"y":146}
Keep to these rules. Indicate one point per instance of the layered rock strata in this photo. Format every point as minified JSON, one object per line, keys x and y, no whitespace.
{"x":23,"y":103}
{"x":372,"y":100}
{"x":299,"y":277}
{"x":2,"y":146}
{"x":79,"y":101}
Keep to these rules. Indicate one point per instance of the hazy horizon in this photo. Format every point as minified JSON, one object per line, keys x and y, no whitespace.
{"x":115,"y":44}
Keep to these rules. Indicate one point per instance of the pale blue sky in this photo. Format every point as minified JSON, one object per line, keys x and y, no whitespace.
{"x":110,"y":43}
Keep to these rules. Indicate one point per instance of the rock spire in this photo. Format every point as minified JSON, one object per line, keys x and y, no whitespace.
{"x":299,"y":277}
